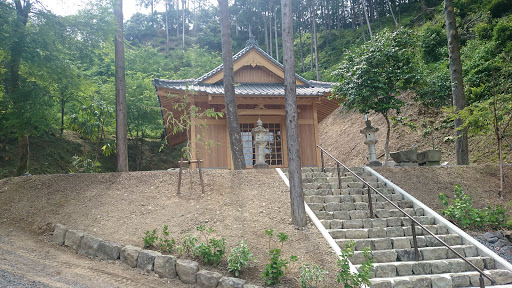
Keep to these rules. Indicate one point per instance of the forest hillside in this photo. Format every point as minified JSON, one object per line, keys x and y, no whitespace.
{"x":57,"y":95}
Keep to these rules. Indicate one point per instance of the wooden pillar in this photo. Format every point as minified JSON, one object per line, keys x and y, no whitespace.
{"x":317,"y":138}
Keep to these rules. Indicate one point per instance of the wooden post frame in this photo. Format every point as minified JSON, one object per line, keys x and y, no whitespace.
{"x":198,"y":162}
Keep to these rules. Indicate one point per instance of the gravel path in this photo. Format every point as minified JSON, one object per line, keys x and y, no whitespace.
{"x":11,"y":280}
{"x":28,"y":260}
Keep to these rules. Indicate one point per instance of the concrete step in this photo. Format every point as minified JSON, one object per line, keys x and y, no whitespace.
{"x":326,"y":190}
{"x":400,"y":242}
{"x":445,"y":280}
{"x":348,"y":206}
{"x":377,"y":222}
{"x":350,"y":198}
{"x":429,"y":267}
{"x":426,"y":253}
{"x":389,"y":232}
{"x":363,"y":214}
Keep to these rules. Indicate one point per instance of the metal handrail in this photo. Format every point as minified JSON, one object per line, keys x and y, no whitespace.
{"x":414,"y":222}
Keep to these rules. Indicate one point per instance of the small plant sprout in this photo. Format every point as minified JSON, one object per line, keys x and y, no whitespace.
{"x":240,"y":258}
{"x":150,"y":238}
{"x":276,"y":267}
{"x":311,"y":275}
{"x":354,"y":280}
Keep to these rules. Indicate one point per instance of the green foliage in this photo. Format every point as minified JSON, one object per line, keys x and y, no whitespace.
{"x":84,"y":165}
{"x":432,"y":42}
{"x":311,"y":275}
{"x":434,"y":89}
{"x":161,"y":243}
{"x":150,"y":238}
{"x":351,"y":279}
{"x":211,"y":250}
{"x":503,"y":33}
{"x":498,"y":8}
{"x":460,"y":211}
{"x":188,"y":245}
{"x":371,"y":77}
{"x":240,"y":258}
{"x":274,"y":270}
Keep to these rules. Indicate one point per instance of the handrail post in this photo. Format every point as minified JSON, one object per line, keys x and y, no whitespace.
{"x":415,"y":242}
{"x":482,"y":283}
{"x":179,"y":177}
{"x":339,"y":177}
{"x":370,"y":203}
{"x":322,"y":157}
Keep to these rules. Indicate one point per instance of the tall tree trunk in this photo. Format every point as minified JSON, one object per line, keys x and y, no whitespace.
{"x":353,"y":10}
{"x":392,"y":13}
{"x":17,"y":49}
{"x":315,"y":40}
{"x":388,"y":133}
{"x":167,"y":23}
{"x":270,"y":32}
{"x":121,"y":121}
{"x":235,"y":136}
{"x":363,"y":2}
{"x":266,"y":32}
{"x":177,"y":18}
{"x":362,"y":24}
{"x":459,"y":99}
{"x":301,"y":52}
{"x":183,"y":4}
{"x":292,"y":122}
{"x":277,"y":38}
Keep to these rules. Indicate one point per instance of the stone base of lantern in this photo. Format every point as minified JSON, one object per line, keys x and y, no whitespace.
{"x":374,"y":164}
{"x":261,"y":166}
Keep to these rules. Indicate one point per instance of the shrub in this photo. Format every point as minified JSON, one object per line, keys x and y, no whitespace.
{"x":150,"y":238}
{"x":274,"y":270}
{"x":311,"y":274}
{"x":211,"y":250}
{"x":239,"y":258}
{"x":353,"y":280}
{"x":163,"y":244}
{"x":461,"y":212}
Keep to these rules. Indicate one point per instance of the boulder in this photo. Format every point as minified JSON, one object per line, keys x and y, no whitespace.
{"x":410,"y":156}
{"x":146,"y":259}
{"x":89,"y":245}
{"x":208,"y":279}
{"x":59,"y":234}
{"x":230,"y":282}
{"x":187,"y":271}
{"x":108,"y":250}
{"x":73,"y":239}
{"x":129,"y":255}
{"x":165,"y":266}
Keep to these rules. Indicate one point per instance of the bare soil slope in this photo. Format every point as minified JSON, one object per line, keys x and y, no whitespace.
{"x":339,"y":134}
{"x":239,"y":205}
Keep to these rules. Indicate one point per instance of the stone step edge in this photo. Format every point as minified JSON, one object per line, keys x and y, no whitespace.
{"x":321,"y":228}
{"x":468,"y":273}
{"x":60,"y":237}
{"x":483,"y":250}
{"x":429,"y":261}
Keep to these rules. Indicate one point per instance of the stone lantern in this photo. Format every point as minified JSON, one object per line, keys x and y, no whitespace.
{"x":371,"y":140}
{"x":259,"y":134}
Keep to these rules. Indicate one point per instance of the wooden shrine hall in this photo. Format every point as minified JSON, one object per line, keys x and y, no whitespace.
{"x":259,"y":93}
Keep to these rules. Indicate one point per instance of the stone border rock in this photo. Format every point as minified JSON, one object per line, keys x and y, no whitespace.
{"x":165,"y":266}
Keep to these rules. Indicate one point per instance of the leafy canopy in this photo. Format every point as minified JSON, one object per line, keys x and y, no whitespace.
{"x":370,"y":77}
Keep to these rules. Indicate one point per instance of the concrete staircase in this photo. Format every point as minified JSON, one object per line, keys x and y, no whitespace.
{"x":344,"y":213}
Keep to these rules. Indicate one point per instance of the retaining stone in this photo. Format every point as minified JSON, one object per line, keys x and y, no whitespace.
{"x":230,"y":282}
{"x":382,"y":271}
{"x":441,"y":282}
{"x":89,"y":245}
{"x":401,"y":243}
{"x":440,"y":267}
{"x":382,"y":244}
{"x":208,"y":279}
{"x":129,"y":255}
{"x":251,"y":286}
{"x":59,"y":234}
{"x":460,"y":280}
{"x":501,"y":277}
{"x":422,"y":268}
{"x":187,"y":270}
{"x":402,"y":283}
{"x":381,"y":284}
{"x":420,"y":281}
{"x":434,"y":253}
{"x":108,"y":250}
{"x":165,"y":266}
{"x":74,"y":239}
{"x":404,"y":269}
{"x":146,"y":260}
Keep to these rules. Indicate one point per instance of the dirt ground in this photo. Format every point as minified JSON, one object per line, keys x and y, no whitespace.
{"x":481,"y":182}
{"x":121,"y":206}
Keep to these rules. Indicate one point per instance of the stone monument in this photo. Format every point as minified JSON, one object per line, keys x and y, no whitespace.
{"x":258,"y":134}
{"x":371,"y":140}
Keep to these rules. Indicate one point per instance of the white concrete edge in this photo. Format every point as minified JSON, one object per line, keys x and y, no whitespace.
{"x":499,"y":262}
{"x":320,"y":226}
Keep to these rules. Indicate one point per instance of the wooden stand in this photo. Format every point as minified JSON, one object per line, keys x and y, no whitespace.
{"x":200,"y":173}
